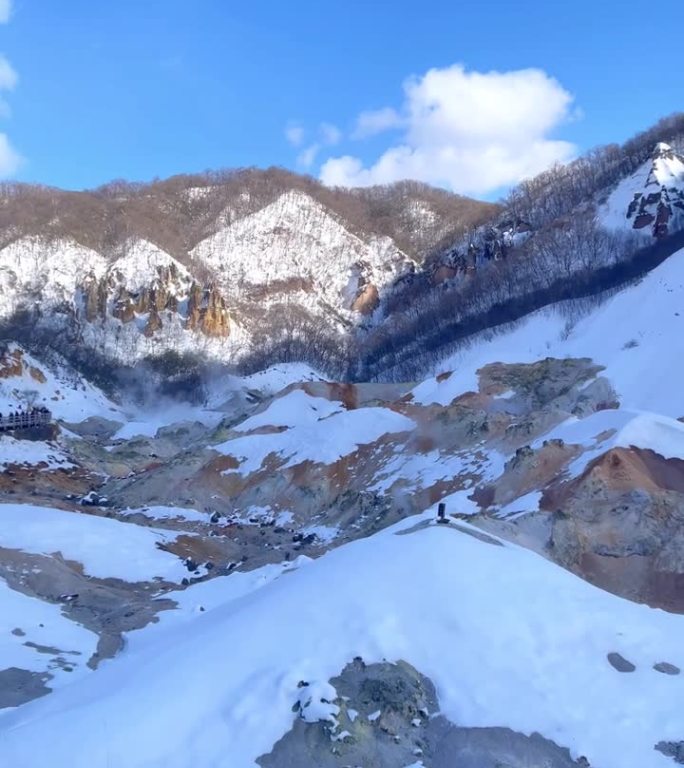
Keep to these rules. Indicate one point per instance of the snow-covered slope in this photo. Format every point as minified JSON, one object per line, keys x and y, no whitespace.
{"x":651,"y":200}
{"x":37,"y":271}
{"x":324,"y":437}
{"x":549,"y":429}
{"x":635,"y":334}
{"x":232,"y":273}
{"x":25,"y":453}
{"x":296,"y":240}
{"x":508,"y":638}
{"x":144,"y":265}
{"x":105,"y":548}
{"x":148,"y":303}
{"x":25,"y":380}
{"x":29,"y":625}
{"x":286,"y":526}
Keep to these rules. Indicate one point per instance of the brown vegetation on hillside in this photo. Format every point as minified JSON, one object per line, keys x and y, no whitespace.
{"x":177,"y":213}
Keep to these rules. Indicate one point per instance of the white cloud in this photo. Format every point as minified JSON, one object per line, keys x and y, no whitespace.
{"x":307,"y":157}
{"x":330,"y":134}
{"x":376,"y":121}
{"x":10,"y":159}
{"x":5,"y":11}
{"x":8,"y":77}
{"x":294,"y":133}
{"x":472,"y":132}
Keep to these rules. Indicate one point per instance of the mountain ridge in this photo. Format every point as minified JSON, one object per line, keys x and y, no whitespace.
{"x":267,"y":264}
{"x":176,"y":213}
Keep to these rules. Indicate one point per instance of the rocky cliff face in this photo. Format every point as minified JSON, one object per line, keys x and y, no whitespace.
{"x":206,"y":267}
{"x":651,"y":200}
{"x":207,"y":312}
{"x":620,"y":524}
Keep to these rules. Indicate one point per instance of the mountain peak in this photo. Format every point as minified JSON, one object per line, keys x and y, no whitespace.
{"x":651,"y":200}
{"x":667,"y":167}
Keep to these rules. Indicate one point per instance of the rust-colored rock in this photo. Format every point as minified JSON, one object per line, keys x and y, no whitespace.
{"x":620,"y":525}
{"x":154,"y":323}
{"x":643,"y":220}
{"x":11,"y":364}
{"x":37,"y":374}
{"x":207,"y":312}
{"x":367,"y":301}
{"x":124,"y":309}
{"x":216,"y":320}
{"x":660,"y":228}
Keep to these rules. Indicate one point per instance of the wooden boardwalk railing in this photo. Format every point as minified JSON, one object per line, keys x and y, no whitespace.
{"x":24,"y":420}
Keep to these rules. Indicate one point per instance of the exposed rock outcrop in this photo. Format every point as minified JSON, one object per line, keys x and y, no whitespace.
{"x":166,"y":295}
{"x":657,"y":194}
{"x":386,"y":715}
{"x":620,"y":524}
{"x":367,"y":300}
{"x":207,"y":311}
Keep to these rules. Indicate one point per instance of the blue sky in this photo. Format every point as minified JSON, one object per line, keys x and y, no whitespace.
{"x":144,"y":89}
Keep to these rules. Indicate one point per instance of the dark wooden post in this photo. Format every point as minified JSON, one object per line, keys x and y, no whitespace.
{"x":441,"y":513}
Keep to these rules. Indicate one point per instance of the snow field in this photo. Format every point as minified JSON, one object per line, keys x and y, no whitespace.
{"x":507,"y":637}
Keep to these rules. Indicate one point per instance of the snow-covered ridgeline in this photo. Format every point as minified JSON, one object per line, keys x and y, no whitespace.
{"x":47,"y":273}
{"x":143,"y":265}
{"x":296,"y":238}
{"x":293,"y":247}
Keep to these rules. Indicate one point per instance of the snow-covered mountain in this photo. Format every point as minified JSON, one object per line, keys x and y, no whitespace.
{"x":195,"y":266}
{"x":239,"y":267}
{"x":573,"y":231}
{"x":296,"y":243}
{"x":481,"y":566}
{"x":651,"y":200}
{"x":288,"y":530}
{"x":56,"y":386}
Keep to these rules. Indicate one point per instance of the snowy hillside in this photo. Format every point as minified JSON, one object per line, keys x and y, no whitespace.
{"x":57,"y":387}
{"x":519,"y":650}
{"x":196,"y":269}
{"x":144,"y":301}
{"x":651,"y":200}
{"x":295,"y":240}
{"x":250,"y":582}
{"x":35,"y":270}
{"x":633,"y":334}
{"x":256,"y":267}
{"x":480,"y":567}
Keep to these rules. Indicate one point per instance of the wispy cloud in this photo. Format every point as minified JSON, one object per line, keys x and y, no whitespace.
{"x":10,"y":159}
{"x":473,"y":132}
{"x":328,"y":135}
{"x":5,"y":11}
{"x":8,"y":77}
{"x":307,"y":157}
{"x":294,"y":133}
{"x":376,"y":121}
